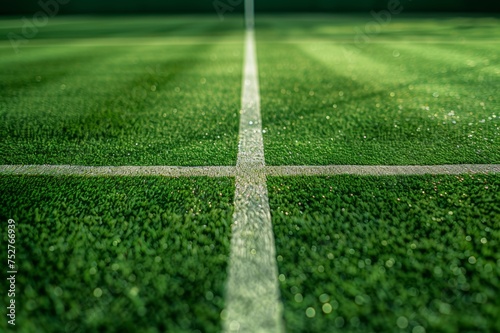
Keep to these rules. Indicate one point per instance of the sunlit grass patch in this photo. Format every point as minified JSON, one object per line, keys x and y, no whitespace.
{"x":392,"y":101}
{"x":136,"y":104}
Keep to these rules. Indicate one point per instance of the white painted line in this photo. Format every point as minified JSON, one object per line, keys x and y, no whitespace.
{"x":231,"y":171}
{"x":251,"y":145}
{"x":134,"y":171}
{"x":291,"y":40}
{"x":249,"y":14}
{"x":381,"y":170}
{"x":252,"y":293}
{"x":252,"y":296}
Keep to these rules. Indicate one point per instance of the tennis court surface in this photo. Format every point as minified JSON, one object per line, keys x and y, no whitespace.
{"x":185,"y":174}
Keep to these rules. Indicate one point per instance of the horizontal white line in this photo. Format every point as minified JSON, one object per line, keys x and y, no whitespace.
{"x":232,"y":171}
{"x":381,"y":170}
{"x":93,"y":171}
{"x":374,"y":41}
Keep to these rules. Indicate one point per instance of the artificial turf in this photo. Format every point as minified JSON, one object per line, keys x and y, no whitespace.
{"x":421,"y":91}
{"x":140,"y":28}
{"x":388,"y":254}
{"x":141,"y":100}
{"x":118,"y":254}
{"x":356,"y":254}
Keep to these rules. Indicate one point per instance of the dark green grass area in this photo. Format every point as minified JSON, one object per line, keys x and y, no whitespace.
{"x":455,"y":27}
{"x":132,"y":26}
{"x":118,"y":254}
{"x":101,"y":100}
{"x":421,"y":91}
{"x":388,"y":254}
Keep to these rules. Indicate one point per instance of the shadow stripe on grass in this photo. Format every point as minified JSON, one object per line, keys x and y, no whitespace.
{"x":128,"y":122}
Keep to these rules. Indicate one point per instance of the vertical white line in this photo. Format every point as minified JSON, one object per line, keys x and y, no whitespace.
{"x":249,"y":14}
{"x":251,"y":145}
{"x":252,"y":295}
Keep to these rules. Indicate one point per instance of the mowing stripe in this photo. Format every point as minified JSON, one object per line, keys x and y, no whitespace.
{"x":252,"y":292}
{"x":231,"y":171}
{"x":167,"y":41}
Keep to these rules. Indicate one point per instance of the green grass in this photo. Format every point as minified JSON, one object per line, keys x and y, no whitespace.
{"x":118,"y":254}
{"x":355,"y":254}
{"x":454,"y":27}
{"x":104,"y":101}
{"x":141,"y":28}
{"x":417,"y":94}
{"x":388,"y":254}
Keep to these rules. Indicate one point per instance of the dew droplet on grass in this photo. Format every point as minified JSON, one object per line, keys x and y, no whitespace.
{"x":97,"y":292}
{"x":324,"y":298}
{"x":58,"y":291}
{"x":339,"y":322}
{"x":134,"y":291}
{"x":310,"y":312}
{"x":418,"y":329}
{"x":402,"y":322}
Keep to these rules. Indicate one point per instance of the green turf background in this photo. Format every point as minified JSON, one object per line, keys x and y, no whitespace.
{"x":388,"y":254}
{"x":105,"y":99}
{"x":421,"y":91}
{"x":166,"y":91}
{"x":156,"y":248}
